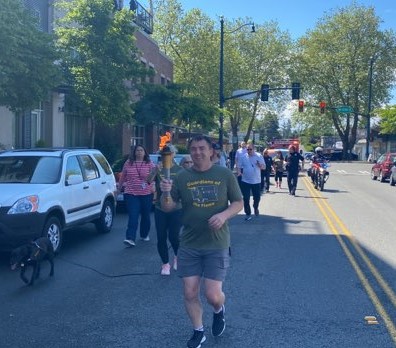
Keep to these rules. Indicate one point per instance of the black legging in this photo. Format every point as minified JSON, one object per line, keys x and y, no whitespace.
{"x":168,"y":226}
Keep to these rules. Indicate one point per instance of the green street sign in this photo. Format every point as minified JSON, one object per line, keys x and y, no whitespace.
{"x":344,"y":109}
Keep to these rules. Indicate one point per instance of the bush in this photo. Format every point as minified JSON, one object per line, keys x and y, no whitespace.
{"x":40,"y":143}
{"x":118,"y":164}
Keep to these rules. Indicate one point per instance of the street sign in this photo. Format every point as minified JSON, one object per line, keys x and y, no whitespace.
{"x":244,"y":94}
{"x":344,"y":109}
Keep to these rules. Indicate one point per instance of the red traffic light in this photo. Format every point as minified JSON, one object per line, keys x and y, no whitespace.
{"x":301,"y":106}
{"x":322,"y":106}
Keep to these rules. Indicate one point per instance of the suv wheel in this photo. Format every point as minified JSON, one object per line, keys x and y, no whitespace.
{"x":53,"y":231}
{"x":105,"y":222}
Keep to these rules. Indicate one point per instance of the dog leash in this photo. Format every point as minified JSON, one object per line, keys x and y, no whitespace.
{"x":104,"y":274}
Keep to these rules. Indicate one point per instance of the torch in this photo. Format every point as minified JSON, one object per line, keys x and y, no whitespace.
{"x":166,"y":157}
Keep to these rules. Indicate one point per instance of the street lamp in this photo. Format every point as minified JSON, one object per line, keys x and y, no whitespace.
{"x":372,"y":60}
{"x":221,"y":75}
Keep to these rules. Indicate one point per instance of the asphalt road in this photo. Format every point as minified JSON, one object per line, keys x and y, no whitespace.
{"x":294,"y":279}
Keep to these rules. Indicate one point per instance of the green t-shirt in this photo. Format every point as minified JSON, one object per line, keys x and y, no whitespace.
{"x":202,"y":195}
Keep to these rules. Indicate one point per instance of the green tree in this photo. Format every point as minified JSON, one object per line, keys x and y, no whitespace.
{"x":98,"y":56}
{"x":257,"y":58}
{"x":27,"y":69}
{"x":387,"y":116}
{"x":173,"y":105}
{"x":334,"y":62}
{"x":192,"y":41}
{"x":250,"y":59}
{"x":269,"y":127}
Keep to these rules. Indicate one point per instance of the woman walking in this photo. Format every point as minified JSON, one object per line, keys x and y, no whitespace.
{"x":278,"y":166}
{"x":138,"y":193}
{"x":167,"y":223}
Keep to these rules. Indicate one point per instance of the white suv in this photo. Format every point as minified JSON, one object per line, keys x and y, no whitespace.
{"x":46,"y":191}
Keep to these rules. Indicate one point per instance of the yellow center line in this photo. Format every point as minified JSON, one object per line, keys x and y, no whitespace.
{"x":323,"y":206}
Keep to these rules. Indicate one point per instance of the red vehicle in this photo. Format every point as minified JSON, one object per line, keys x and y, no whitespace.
{"x":382,"y":167}
{"x":284,"y":144}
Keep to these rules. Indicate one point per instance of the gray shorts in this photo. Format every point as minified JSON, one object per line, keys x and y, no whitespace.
{"x":210,"y":264}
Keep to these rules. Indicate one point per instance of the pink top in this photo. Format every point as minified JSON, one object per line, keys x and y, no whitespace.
{"x":134,"y":178}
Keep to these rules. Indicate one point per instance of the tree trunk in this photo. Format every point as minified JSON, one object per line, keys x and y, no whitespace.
{"x":92,"y":133}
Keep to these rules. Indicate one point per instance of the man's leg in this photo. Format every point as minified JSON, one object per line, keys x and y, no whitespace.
{"x":245,"y":188}
{"x":267,"y":179}
{"x":295,"y":183}
{"x":214,"y":293}
{"x":256,"y":197}
{"x":290,"y":181}
{"x":192,"y":300}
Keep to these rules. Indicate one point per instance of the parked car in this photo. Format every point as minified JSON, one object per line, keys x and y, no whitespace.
{"x":382,"y":167}
{"x":156,"y":157}
{"x":392,"y":179}
{"x":46,"y":191}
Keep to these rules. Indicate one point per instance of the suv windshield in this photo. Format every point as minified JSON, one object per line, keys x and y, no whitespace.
{"x":29,"y":169}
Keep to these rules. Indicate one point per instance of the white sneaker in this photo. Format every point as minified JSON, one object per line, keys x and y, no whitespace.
{"x":175,"y":263}
{"x":165,"y":270}
{"x":129,"y":242}
{"x":147,"y":239}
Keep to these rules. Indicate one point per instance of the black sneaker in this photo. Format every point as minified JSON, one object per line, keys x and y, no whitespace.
{"x":218,"y":324}
{"x":197,"y":338}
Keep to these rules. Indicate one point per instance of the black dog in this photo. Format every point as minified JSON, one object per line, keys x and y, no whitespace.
{"x":32,"y":254}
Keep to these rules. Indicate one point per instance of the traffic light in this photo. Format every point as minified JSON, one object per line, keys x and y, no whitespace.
{"x":264,"y":92}
{"x":301,"y":106}
{"x":322,"y":106}
{"x":295,"y":90}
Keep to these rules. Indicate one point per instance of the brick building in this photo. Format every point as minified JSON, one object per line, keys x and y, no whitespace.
{"x":52,"y":125}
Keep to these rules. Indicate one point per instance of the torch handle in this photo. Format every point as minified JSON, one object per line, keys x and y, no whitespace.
{"x":167,"y":196}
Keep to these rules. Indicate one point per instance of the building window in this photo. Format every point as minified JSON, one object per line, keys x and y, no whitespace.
{"x":137,"y":135}
{"x":152,"y":75}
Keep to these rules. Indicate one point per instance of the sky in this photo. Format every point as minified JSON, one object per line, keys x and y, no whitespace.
{"x":295,"y":16}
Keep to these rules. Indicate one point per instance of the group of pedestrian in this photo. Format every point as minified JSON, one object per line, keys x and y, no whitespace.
{"x":194,"y":203}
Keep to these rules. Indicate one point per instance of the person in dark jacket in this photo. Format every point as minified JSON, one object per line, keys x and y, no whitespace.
{"x":293,"y":166}
{"x":266,"y":173}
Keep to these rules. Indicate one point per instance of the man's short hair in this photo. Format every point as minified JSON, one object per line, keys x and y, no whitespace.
{"x":200,"y":137}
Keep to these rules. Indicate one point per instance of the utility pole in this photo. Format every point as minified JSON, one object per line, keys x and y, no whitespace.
{"x":369,"y":107}
{"x":221,"y":84}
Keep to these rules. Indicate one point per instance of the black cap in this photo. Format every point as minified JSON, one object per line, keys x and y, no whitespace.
{"x":216,"y":146}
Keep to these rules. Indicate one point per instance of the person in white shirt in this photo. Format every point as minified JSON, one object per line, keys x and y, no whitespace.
{"x":240,"y":153}
{"x":249,"y":169}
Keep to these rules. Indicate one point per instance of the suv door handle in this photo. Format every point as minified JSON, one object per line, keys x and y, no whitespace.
{"x":104,"y":182}
{"x":86,"y":187}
